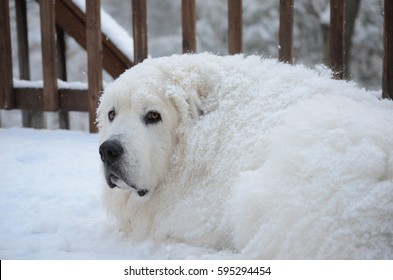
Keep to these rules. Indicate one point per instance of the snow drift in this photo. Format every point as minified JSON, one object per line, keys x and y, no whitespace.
{"x":283,"y":163}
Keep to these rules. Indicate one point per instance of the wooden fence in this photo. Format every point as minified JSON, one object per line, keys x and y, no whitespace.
{"x":61,"y":16}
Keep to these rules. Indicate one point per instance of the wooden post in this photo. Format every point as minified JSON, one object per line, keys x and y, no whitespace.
{"x":6,"y":84}
{"x":30,"y":118}
{"x":235,"y":27}
{"x":61,"y":54}
{"x":23,"y":43}
{"x":49,"y":61}
{"x":188,"y":25}
{"x":285,"y":49}
{"x":336,"y":38}
{"x":94,"y":58}
{"x":139,"y":27}
{"x":64,"y":120}
{"x":387,"y":75}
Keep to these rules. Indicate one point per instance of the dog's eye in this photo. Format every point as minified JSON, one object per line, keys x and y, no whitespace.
{"x":152,"y":117}
{"x":111,"y":115}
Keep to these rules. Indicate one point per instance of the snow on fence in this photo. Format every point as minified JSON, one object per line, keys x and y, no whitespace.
{"x":59,"y":16}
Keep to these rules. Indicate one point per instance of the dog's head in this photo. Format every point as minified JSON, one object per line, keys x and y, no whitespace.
{"x":142,"y":118}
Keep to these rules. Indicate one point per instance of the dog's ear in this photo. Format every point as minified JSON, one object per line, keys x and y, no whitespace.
{"x":189,"y":110}
{"x":188,"y":106}
{"x":194,"y":105}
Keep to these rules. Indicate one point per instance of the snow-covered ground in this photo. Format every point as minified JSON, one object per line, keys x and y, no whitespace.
{"x":50,"y":198}
{"x":50,"y":202}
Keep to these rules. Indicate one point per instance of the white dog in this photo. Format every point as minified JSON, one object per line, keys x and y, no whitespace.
{"x":263,"y":159}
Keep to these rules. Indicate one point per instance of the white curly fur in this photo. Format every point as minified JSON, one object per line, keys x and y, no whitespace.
{"x":253,"y":156}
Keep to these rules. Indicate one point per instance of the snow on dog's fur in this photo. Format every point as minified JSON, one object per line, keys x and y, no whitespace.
{"x":245,"y":154}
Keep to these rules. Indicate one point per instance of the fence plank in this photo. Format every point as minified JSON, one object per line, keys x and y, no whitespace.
{"x":69,"y":99}
{"x":235,"y":26}
{"x":73,"y":99}
{"x":387,"y":76}
{"x":188,"y":26}
{"x":28,"y":99}
{"x":6,"y":85}
{"x":23,"y":44}
{"x":61,"y":54}
{"x":336,"y":38}
{"x":64,"y":120}
{"x":285,"y":50}
{"x":49,"y":59}
{"x":94,"y":58}
{"x":30,"y":118}
{"x":139,"y":27}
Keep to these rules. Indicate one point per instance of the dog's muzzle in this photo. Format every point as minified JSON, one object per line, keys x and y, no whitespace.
{"x":111,"y":152}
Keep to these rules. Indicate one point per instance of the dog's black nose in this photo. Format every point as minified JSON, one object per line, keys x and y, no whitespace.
{"x":110,"y":150}
{"x":142,"y":192}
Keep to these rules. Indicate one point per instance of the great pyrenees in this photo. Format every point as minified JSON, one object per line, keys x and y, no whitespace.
{"x":248,"y":155}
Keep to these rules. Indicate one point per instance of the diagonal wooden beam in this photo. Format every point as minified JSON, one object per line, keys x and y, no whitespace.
{"x":73,"y":22}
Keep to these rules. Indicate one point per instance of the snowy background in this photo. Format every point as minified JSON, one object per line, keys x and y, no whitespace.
{"x":260,"y":36}
{"x":50,"y":180}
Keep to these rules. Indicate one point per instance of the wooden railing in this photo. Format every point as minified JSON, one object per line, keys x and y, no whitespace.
{"x":64,"y":16}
